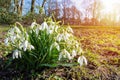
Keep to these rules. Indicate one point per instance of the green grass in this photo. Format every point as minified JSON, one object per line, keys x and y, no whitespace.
{"x":3,"y":29}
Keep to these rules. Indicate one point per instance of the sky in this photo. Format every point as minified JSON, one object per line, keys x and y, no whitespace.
{"x":109,"y":7}
{"x":27,"y":3}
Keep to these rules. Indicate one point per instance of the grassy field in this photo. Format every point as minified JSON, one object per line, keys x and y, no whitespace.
{"x":102,"y":49}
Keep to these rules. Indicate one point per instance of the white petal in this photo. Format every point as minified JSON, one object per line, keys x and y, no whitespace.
{"x":20,"y":54}
{"x":56,"y":45}
{"x":80,"y":60}
{"x":33,"y":25}
{"x":24,"y":49}
{"x":68,"y":56}
{"x":44,"y":26}
{"x":12,"y":38}
{"x":15,"y":54}
{"x":60,"y":56}
{"x":31,"y":47}
{"x":74,"y":53}
{"x":6,"y":41}
{"x":11,"y":31}
{"x":37,"y":31}
{"x":17,"y":30}
{"x":59,"y":37}
{"x":85,"y":60}
{"x":25,"y":45}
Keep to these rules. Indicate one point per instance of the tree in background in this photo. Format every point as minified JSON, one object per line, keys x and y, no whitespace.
{"x":32,"y":6}
{"x":7,"y":14}
{"x":63,"y":10}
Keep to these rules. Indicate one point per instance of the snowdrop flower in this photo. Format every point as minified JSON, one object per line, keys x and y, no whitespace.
{"x":37,"y":31}
{"x":25,"y":45}
{"x":50,"y":31}
{"x":31,"y":47}
{"x":17,"y":30}
{"x":11,"y":31}
{"x":59,"y":37}
{"x":56,"y":45}
{"x":12,"y":38}
{"x":74,"y":53}
{"x":82,"y":60}
{"x":69,"y":29}
{"x":65,"y":54}
{"x":51,"y":28}
{"x":18,"y":36}
{"x":33,"y":25}
{"x":16,"y":54}
{"x":6,"y":41}
{"x":66,"y":36}
{"x":43,"y":26}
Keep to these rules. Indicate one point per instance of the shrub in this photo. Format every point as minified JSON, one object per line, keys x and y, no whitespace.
{"x":43,"y":45}
{"x":8,"y":17}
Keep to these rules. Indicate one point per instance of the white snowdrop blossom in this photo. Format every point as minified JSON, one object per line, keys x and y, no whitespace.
{"x":65,"y":54}
{"x":17,"y":29}
{"x":26,"y":45}
{"x":63,"y":36}
{"x":66,"y":36}
{"x":59,"y":37}
{"x":82,"y":60}
{"x":33,"y":25}
{"x":37,"y":31}
{"x":43,"y":26}
{"x":12,"y":38}
{"x":69,"y":29}
{"x":31,"y":47}
{"x":16,"y":54}
{"x":51,"y":29}
{"x":40,"y":36}
{"x":56,"y":45}
{"x":11,"y":31}
{"x":74,"y":53}
{"x":6,"y":41}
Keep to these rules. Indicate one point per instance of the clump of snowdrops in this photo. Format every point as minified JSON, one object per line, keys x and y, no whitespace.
{"x":41,"y":45}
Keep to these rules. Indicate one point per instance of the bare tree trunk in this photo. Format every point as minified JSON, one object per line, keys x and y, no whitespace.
{"x":21,"y":7}
{"x":32,"y":6}
{"x":49,"y":8}
{"x":14,"y":6}
{"x":17,"y":7}
{"x":43,"y":3}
